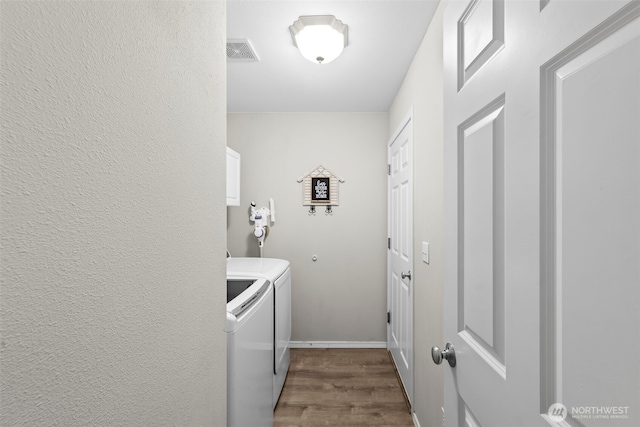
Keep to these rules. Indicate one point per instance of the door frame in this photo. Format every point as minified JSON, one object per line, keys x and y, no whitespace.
{"x":407,"y":120}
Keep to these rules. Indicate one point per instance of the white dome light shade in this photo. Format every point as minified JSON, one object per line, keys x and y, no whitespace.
{"x":320,"y":39}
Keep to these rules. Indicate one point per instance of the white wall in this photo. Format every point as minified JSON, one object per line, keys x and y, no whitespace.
{"x":342,"y":296}
{"x":113,"y":271}
{"x":422,"y":89}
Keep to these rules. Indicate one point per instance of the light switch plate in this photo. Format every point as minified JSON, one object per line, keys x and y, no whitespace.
{"x":425,"y":252}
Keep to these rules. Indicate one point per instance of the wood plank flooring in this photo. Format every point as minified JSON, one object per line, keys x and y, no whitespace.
{"x":341,"y":387}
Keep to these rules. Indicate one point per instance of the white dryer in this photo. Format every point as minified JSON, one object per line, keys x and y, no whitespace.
{"x":249,"y":352}
{"x":277,"y":272}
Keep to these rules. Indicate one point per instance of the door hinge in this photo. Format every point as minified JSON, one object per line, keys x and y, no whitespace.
{"x":388,"y":242}
{"x":389,"y":169}
{"x":388,"y":317}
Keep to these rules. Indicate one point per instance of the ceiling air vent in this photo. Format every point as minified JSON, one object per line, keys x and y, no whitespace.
{"x":240,"y":50}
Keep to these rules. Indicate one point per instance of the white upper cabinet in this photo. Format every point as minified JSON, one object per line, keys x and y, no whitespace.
{"x":233,"y":178}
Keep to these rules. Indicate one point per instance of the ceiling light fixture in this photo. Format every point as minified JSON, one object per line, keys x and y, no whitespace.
{"x":320,"y":38}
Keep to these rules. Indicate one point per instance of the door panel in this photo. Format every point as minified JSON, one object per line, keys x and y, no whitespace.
{"x":593,"y":244}
{"x":400,"y":330}
{"x":542,"y":208}
{"x":481,"y":234}
{"x":481,"y":36}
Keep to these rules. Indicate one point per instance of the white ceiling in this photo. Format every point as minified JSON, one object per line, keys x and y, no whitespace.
{"x":384,"y":36}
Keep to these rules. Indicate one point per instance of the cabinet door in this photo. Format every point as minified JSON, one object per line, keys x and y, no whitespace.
{"x":233,"y":178}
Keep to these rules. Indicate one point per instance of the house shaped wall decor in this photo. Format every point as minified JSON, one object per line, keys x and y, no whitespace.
{"x":320,"y":187}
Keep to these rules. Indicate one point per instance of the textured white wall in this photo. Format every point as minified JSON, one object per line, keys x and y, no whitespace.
{"x":113,"y":271}
{"x":422,"y":89}
{"x":342,"y":296}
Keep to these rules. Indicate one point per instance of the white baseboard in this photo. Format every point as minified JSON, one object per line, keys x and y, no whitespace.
{"x":416,"y":423}
{"x":338,"y":344}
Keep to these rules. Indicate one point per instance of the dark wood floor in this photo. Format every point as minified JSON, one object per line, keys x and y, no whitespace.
{"x":341,"y":387}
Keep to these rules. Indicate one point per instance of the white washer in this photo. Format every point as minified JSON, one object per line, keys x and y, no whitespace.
{"x":277,"y":272}
{"x":249,"y":352}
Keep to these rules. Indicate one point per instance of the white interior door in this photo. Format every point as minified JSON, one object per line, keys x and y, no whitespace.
{"x":400,"y":253}
{"x":542,"y":203}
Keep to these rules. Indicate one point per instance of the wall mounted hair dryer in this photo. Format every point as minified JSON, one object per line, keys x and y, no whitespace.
{"x":262,"y":218}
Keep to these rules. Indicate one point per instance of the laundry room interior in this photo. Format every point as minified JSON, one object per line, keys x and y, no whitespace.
{"x":339,"y":295}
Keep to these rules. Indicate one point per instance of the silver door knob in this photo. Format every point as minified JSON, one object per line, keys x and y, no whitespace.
{"x":448,"y":354}
{"x":406,"y":275}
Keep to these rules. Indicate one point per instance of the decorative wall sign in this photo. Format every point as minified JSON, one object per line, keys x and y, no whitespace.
{"x":321,"y":190}
{"x":320,"y":187}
